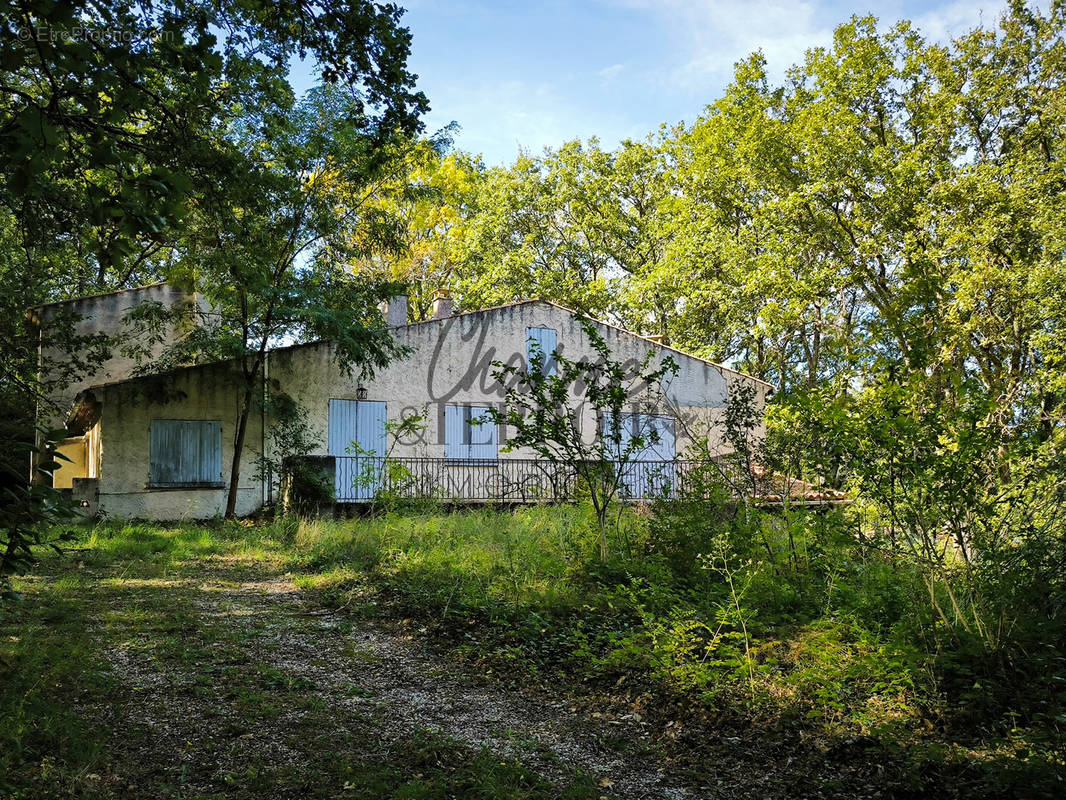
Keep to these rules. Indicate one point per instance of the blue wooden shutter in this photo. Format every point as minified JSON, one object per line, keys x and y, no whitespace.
{"x":625,"y":433}
{"x":211,"y":450}
{"x":370,"y":427}
{"x":370,"y":436}
{"x":664,"y":449}
{"x":482,"y":435}
{"x":454,"y":441}
{"x":546,"y":340}
{"x":185,"y":452}
{"x":466,"y":441}
{"x":342,"y":426}
{"x":360,"y":423}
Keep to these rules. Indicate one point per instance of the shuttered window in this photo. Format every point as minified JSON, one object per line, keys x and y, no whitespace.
{"x":185,"y":452}
{"x":656,"y":431}
{"x":357,"y":427}
{"x":544,"y":340}
{"x":469,"y":434}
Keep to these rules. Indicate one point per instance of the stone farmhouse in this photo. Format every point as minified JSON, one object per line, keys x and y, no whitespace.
{"x":160,"y":446}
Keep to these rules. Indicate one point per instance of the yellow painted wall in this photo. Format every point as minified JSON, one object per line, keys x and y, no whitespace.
{"x":76,"y":451}
{"x":126,"y":415}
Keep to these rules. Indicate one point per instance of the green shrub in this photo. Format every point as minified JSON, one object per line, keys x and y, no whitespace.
{"x":310,"y":485}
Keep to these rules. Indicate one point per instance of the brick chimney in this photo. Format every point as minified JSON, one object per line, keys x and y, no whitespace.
{"x":395,"y":311}
{"x":442,"y":304}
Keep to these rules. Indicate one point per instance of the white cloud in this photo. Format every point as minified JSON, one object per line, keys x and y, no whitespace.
{"x":711,"y":36}
{"x":957,"y":19}
{"x":714,"y":34}
{"x":656,"y":60}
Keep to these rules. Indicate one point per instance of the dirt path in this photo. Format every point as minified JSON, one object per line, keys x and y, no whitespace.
{"x":244,"y":674}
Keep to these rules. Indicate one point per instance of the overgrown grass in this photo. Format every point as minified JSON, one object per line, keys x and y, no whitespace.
{"x":45,"y":657}
{"x":534,"y":574}
{"x":134,"y":587}
{"x":775,"y":627}
{"x":484,"y":561}
{"x":142,"y":546}
{"x":779,"y":620}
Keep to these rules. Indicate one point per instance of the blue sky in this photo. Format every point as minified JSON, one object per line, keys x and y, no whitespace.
{"x":537,"y":74}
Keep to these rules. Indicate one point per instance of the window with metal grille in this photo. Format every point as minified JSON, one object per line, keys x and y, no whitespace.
{"x":185,"y":452}
{"x":469,"y":434}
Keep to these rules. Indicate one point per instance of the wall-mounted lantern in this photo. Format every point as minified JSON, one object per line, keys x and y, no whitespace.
{"x":360,"y":393}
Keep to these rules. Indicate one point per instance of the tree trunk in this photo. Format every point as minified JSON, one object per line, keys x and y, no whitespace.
{"x":238,"y":450}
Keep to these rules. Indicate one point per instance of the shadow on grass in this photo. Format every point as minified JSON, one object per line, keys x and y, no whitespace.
{"x":124,"y":666}
{"x":120,"y":677}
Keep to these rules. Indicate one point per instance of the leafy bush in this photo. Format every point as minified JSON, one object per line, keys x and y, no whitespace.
{"x":751,"y":616}
{"x":310,"y":486}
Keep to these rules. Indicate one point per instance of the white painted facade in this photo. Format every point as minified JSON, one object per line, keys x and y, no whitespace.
{"x":447,"y":379}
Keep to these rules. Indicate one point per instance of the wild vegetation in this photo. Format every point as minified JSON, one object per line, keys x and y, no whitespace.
{"x":778,"y":646}
{"x":151,"y":661}
{"x":879,"y":234}
{"x":788,"y":621}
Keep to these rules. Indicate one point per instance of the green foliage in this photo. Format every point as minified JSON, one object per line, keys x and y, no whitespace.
{"x":70,"y":707}
{"x":271,"y":254}
{"x":310,"y":486}
{"x":193,"y":169}
{"x":548,"y":401}
{"x":393,"y":483}
{"x":787,"y":624}
{"x":562,"y":227}
{"x":774,"y":615}
{"x":428,"y":198}
{"x":290,"y":435}
{"x":879,"y":235}
{"x":483,"y":562}
{"x":29,"y":512}
{"x":106,"y":163}
{"x":42,"y":739}
{"x":119,"y":121}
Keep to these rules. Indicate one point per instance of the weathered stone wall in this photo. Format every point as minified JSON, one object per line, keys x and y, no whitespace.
{"x":451,"y":363}
{"x":102,"y":314}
